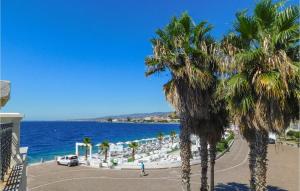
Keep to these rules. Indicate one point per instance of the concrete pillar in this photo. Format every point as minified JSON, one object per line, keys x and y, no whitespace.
{"x":90,"y":146}
{"x":76,"y":149}
{"x":14,"y":118}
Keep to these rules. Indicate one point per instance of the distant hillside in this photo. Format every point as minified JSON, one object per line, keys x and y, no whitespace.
{"x":136,"y":115}
{"x":132,"y":116}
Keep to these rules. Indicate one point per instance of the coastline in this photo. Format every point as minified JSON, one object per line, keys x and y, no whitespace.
{"x":121,"y":122}
{"x":157,"y":166}
{"x":49,"y":139}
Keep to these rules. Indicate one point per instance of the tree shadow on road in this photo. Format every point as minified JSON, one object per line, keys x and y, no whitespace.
{"x":234,"y":186}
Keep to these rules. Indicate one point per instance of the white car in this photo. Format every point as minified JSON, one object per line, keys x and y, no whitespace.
{"x":69,"y":160}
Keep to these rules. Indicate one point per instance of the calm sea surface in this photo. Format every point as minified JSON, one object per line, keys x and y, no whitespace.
{"x":49,"y":139}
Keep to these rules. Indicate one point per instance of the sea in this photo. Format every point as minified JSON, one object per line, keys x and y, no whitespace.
{"x":48,"y":139}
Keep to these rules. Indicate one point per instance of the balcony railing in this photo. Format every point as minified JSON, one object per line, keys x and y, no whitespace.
{"x":5,"y":148}
{"x":16,"y":179}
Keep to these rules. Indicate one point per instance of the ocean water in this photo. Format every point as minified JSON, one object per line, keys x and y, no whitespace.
{"x":49,"y":139}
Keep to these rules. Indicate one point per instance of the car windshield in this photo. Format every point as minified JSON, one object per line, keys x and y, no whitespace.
{"x":73,"y":157}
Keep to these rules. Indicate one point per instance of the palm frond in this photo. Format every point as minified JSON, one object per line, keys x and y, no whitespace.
{"x":271,"y":85}
{"x":265,"y":13}
{"x":171,"y":93}
{"x":288,"y":18}
{"x":238,"y":84}
{"x":246,"y":26}
{"x":154,"y":66}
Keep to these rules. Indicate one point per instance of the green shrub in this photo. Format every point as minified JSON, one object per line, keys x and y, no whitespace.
{"x":230,"y":137}
{"x":220,"y":147}
{"x":130,"y":159}
{"x":224,"y":143}
{"x":113,"y":162}
{"x":293,"y":134}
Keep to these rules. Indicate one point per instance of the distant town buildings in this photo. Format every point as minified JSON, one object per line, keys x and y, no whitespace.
{"x":166,"y":118}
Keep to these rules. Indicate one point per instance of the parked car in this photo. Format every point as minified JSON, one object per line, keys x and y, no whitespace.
{"x":271,"y":141}
{"x":69,"y":160}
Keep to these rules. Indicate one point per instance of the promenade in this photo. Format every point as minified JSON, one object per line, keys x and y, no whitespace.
{"x":231,"y":173}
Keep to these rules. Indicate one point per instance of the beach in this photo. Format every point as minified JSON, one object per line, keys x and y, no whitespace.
{"x":47,"y":139}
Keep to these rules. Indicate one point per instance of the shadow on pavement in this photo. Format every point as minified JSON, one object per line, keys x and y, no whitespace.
{"x":233,"y":186}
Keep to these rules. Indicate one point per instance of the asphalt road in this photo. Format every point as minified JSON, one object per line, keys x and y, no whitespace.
{"x":231,"y":173}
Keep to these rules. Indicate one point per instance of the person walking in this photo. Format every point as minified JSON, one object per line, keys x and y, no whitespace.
{"x":142,"y":169}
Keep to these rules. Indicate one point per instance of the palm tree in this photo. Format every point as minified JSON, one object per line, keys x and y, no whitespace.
{"x":263,"y":90}
{"x":105,"y":147}
{"x":133,"y":146}
{"x":160,"y":138}
{"x":184,"y":50}
{"x":87,"y":142}
{"x":173,"y":136}
{"x":168,"y":54}
{"x":219,"y":119}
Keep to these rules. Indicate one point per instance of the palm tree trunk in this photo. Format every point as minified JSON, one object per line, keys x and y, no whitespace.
{"x":252,"y":161}
{"x":204,"y":163}
{"x":105,"y":158}
{"x":212,"y":155}
{"x":261,"y":160}
{"x":132,"y":154}
{"x":86,"y":152}
{"x":185,"y":154}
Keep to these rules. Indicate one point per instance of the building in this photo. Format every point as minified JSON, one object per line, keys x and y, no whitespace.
{"x":12,"y":156}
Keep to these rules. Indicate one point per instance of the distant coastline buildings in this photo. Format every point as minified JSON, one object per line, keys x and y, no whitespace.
{"x":169,"y":117}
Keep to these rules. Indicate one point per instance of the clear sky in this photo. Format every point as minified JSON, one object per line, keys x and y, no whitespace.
{"x":85,"y":58}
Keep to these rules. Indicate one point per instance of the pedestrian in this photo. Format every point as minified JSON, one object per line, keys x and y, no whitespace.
{"x":142,"y":169}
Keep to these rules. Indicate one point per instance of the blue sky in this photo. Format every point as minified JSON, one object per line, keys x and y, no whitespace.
{"x":85,"y":58}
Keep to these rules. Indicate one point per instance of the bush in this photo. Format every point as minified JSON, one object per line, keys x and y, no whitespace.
{"x":294,"y":134}
{"x":230,"y":137}
{"x":113,"y":162}
{"x":130,"y":159}
{"x":222,"y":145}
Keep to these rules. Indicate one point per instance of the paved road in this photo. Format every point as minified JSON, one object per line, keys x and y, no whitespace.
{"x":231,"y":174}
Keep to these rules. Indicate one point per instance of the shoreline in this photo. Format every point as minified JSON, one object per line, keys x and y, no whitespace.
{"x":70,"y":153}
{"x":161,"y":166}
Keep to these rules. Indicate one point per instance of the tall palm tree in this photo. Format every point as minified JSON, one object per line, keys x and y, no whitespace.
{"x":219,"y":119}
{"x":183,"y":49}
{"x":169,"y":55}
{"x":173,"y":136}
{"x":160,"y":138}
{"x":105,"y":147}
{"x":87,"y":142}
{"x":133,"y":146}
{"x":263,"y":90}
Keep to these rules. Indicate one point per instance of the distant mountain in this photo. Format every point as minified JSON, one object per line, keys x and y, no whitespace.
{"x":133,"y":116}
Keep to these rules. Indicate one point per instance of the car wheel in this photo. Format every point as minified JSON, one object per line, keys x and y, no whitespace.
{"x":58,"y":163}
